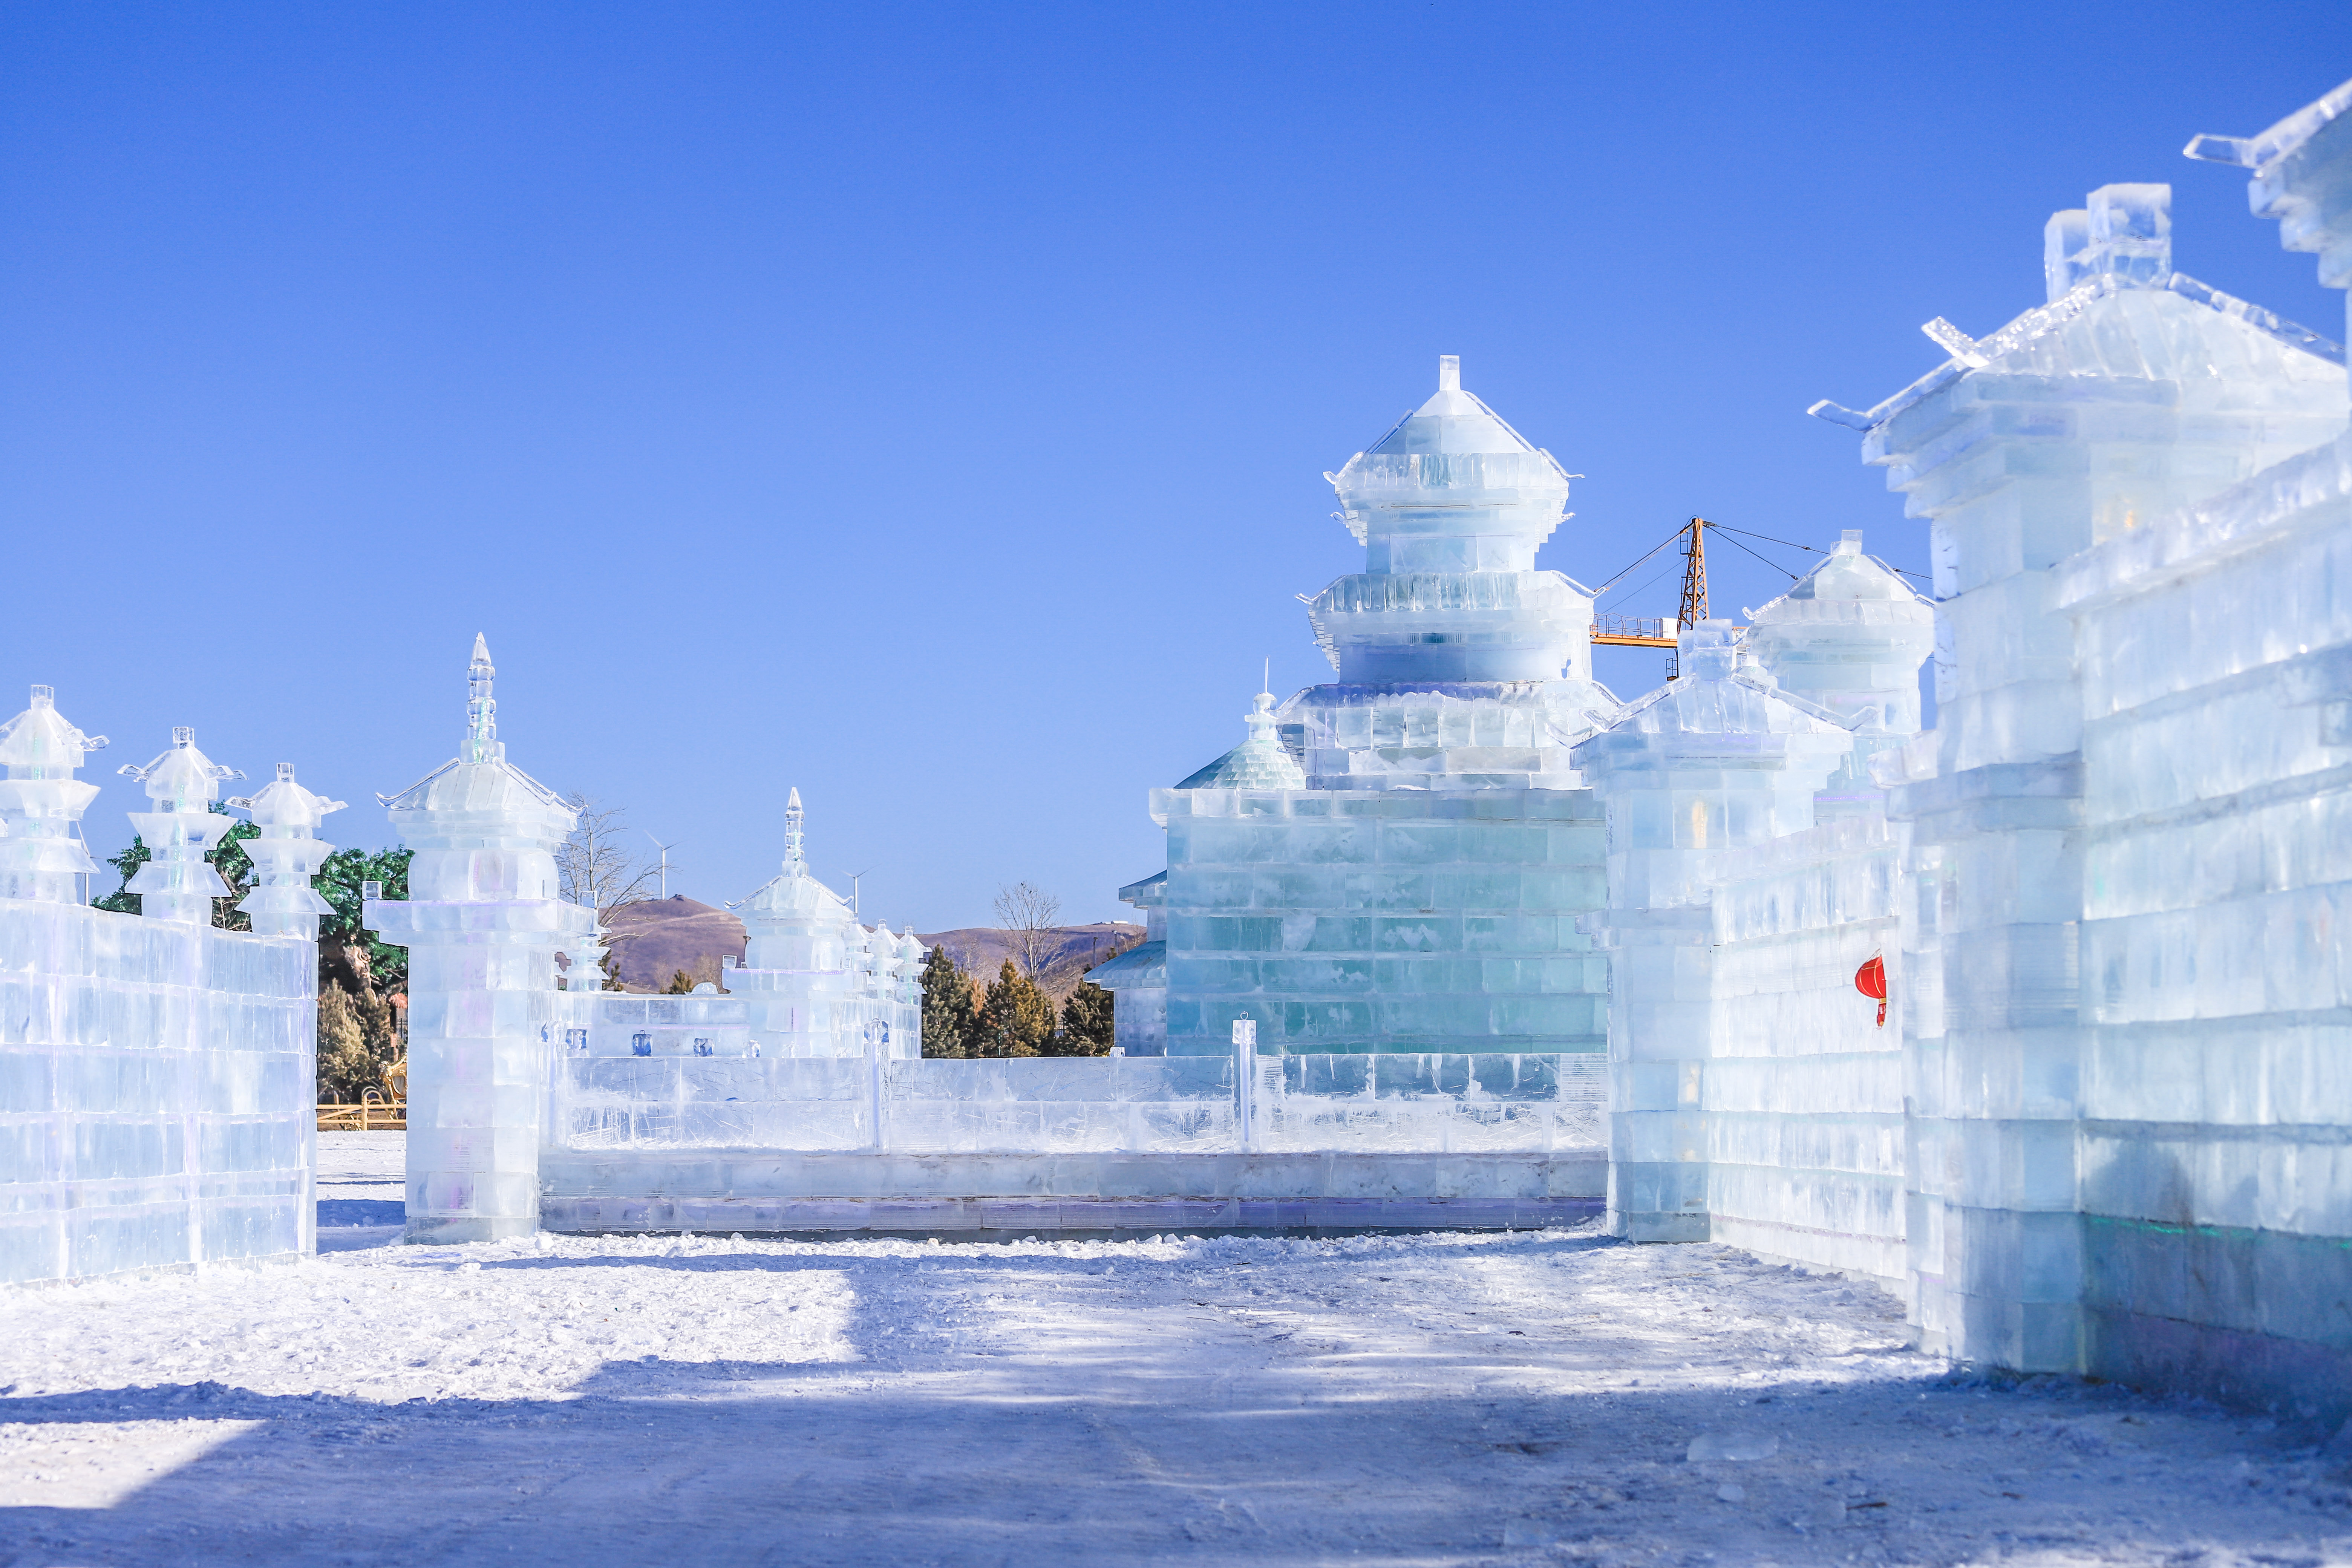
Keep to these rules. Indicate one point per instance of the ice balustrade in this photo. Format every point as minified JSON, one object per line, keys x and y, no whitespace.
{"x":1527,"y":1103}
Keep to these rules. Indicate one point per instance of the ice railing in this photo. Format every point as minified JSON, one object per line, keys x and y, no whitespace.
{"x":1501,"y":1103}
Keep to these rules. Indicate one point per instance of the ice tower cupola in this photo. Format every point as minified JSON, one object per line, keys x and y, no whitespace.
{"x":1451,"y":507}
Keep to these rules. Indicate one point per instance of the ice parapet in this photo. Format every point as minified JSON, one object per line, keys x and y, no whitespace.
{"x":160,"y":1105}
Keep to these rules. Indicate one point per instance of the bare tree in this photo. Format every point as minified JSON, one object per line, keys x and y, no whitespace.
{"x":1029,"y":917}
{"x":592,"y":867}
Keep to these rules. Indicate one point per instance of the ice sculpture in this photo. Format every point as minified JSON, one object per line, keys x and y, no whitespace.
{"x":178,"y":883}
{"x":160,"y":1101}
{"x":1394,"y":861}
{"x":2134,"y":391}
{"x":286,"y":855}
{"x":41,"y":803}
{"x":815,"y":982}
{"x":1460,"y":665}
{"x":482,"y":925}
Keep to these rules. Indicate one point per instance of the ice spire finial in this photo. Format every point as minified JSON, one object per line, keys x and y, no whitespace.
{"x":795,"y":859}
{"x":481,"y":710}
{"x":1449,"y":372}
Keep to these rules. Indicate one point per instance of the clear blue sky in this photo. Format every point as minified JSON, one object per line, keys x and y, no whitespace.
{"x":926,"y":405}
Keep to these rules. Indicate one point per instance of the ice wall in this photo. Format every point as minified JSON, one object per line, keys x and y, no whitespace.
{"x":156,"y":1098}
{"x":1387,"y":920}
{"x":1716,"y":760}
{"x":1100,"y":1142}
{"x":2132,"y":393}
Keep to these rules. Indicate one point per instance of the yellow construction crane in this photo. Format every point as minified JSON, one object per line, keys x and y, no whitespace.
{"x":1630,"y":631}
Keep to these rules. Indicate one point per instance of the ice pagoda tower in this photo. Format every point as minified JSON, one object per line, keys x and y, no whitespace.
{"x":1395,"y":861}
{"x":816,"y":983}
{"x":482,"y":924}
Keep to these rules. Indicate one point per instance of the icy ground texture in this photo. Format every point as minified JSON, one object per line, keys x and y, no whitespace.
{"x":1436,"y":1399}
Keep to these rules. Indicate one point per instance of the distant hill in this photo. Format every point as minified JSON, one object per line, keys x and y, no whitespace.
{"x":654,"y":940}
{"x":980,"y":950}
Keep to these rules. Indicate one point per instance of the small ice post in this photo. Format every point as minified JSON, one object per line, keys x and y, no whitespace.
{"x":2126,"y":232}
{"x":285,"y":856}
{"x":178,"y":883}
{"x":41,"y":803}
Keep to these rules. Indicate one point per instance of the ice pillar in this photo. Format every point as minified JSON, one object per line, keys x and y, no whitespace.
{"x":1713,"y":761}
{"x":178,"y":883}
{"x":482,"y":925}
{"x":41,"y":802}
{"x":285,"y":856}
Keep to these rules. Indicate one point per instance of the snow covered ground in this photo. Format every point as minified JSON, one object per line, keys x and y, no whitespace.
{"x":1433,"y":1399}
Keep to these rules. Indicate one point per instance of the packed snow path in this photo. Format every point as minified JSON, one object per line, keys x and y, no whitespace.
{"x":1430,"y":1399}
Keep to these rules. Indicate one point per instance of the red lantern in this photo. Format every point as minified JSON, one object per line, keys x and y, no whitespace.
{"x":1871,"y":981}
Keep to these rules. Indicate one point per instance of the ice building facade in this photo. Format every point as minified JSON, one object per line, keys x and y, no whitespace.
{"x":1396,"y":862}
{"x":156,"y":1072}
{"x":2101,"y":1127}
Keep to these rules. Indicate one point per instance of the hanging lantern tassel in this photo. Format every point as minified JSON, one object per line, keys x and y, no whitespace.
{"x":1871,"y":981}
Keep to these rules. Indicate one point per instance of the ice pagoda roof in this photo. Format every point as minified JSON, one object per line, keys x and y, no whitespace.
{"x":2287,"y":138}
{"x":1844,"y":574}
{"x":1453,"y":422}
{"x":2118,"y":310}
{"x":479,"y":778}
{"x":794,"y":891}
{"x":41,"y":742}
{"x":1259,"y":763}
{"x":182,"y":778}
{"x":2148,"y":333}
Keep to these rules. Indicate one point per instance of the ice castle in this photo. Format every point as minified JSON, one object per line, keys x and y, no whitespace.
{"x":2041,"y":1017}
{"x":1396,"y":862}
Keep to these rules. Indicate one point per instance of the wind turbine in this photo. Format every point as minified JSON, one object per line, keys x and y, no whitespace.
{"x":665,"y":849}
{"x":855,"y":907}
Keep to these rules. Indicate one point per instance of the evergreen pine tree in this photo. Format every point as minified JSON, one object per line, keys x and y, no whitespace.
{"x":347,"y":1069}
{"x":949,"y":1014}
{"x":1015,"y":1018}
{"x":1085,"y":1028}
{"x":681,"y":984}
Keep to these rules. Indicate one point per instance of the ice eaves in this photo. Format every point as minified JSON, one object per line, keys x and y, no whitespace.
{"x":2268,"y":147}
{"x":2043,"y":320}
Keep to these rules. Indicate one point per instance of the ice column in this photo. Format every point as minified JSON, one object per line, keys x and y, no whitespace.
{"x":1713,"y":761}
{"x":178,"y":883}
{"x":41,"y":803}
{"x":482,"y":925}
{"x":285,"y":856}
